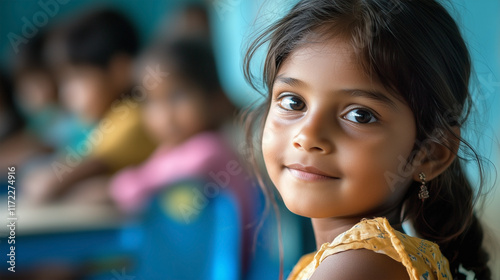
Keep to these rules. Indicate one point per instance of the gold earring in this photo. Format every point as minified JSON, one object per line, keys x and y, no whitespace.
{"x":423,"y":193}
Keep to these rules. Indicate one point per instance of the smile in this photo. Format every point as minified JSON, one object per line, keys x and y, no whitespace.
{"x":308,"y":173}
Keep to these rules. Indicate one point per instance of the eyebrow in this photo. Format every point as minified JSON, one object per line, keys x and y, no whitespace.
{"x":374,"y":95}
{"x":370,"y":94}
{"x":289,"y":81}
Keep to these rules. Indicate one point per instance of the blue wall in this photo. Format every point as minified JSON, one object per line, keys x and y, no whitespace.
{"x":146,"y":15}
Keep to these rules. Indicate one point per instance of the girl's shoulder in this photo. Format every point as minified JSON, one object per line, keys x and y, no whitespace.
{"x":421,"y":258}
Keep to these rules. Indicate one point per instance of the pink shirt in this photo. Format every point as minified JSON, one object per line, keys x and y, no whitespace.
{"x":204,"y":156}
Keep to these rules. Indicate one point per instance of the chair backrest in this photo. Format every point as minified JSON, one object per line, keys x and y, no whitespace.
{"x":190,"y":232}
{"x":265,"y":259}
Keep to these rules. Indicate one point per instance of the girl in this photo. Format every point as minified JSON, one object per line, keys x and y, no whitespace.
{"x":360,"y":132}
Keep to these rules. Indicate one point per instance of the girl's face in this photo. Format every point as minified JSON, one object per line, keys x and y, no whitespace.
{"x":36,"y":91}
{"x":335,"y":141}
{"x":175,"y":111}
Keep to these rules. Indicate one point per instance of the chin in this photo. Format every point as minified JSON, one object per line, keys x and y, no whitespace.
{"x":308,"y":210}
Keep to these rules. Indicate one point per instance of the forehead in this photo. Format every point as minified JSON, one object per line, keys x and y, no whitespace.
{"x":332,"y":60}
{"x":336,"y":47}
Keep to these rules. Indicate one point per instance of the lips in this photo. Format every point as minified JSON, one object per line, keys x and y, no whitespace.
{"x":308,"y":173}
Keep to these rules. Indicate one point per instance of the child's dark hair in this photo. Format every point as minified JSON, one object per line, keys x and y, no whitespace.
{"x":192,"y":59}
{"x":7,"y":105}
{"x":31,"y":55}
{"x":94,"y":38}
{"x":414,"y":48}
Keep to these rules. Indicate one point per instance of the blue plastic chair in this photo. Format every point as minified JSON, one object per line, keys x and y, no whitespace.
{"x":190,"y":231}
{"x":265,"y":261}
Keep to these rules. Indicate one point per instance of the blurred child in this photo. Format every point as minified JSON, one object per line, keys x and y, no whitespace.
{"x":95,"y":84}
{"x":184,"y":113}
{"x":34,"y":96}
{"x":36,"y":90}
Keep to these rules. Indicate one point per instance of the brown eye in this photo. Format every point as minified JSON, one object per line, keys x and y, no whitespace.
{"x":291,"y":103}
{"x":360,"y":116}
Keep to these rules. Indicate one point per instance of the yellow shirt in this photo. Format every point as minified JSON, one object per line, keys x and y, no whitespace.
{"x":120,"y":139}
{"x":423,"y":259}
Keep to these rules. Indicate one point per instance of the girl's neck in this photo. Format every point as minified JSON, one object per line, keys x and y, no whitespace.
{"x":327,"y":229}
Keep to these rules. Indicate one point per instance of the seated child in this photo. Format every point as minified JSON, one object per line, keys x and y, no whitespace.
{"x":184,"y":113}
{"x":36,"y":90}
{"x":95,"y":85}
{"x":47,"y":127}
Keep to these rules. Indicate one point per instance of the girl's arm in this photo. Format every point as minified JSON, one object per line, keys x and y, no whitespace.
{"x":360,"y":264}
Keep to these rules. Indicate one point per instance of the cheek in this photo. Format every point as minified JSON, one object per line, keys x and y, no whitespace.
{"x":191,"y":118}
{"x":275,"y":141}
{"x":267,"y":144}
{"x":155,"y":120}
{"x":37,"y":94}
{"x":377,"y":165}
{"x":81,"y":96}
{"x":272,"y":134}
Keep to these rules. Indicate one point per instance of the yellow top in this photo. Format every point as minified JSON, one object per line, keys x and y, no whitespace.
{"x":122,"y":141}
{"x":423,"y":259}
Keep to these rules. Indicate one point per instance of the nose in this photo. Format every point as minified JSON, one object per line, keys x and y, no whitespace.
{"x":315,"y":134}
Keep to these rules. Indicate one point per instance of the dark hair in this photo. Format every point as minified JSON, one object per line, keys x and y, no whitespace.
{"x":96,"y":37}
{"x":415,"y":49}
{"x":191,"y":19}
{"x":192,"y":59}
{"x":31,"y":56}
{"x":7,"y":105}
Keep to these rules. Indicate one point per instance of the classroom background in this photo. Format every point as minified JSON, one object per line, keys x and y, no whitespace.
{"x":94,"y":240}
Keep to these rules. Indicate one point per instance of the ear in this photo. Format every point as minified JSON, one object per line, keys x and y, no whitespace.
{"x":434,"y":158}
